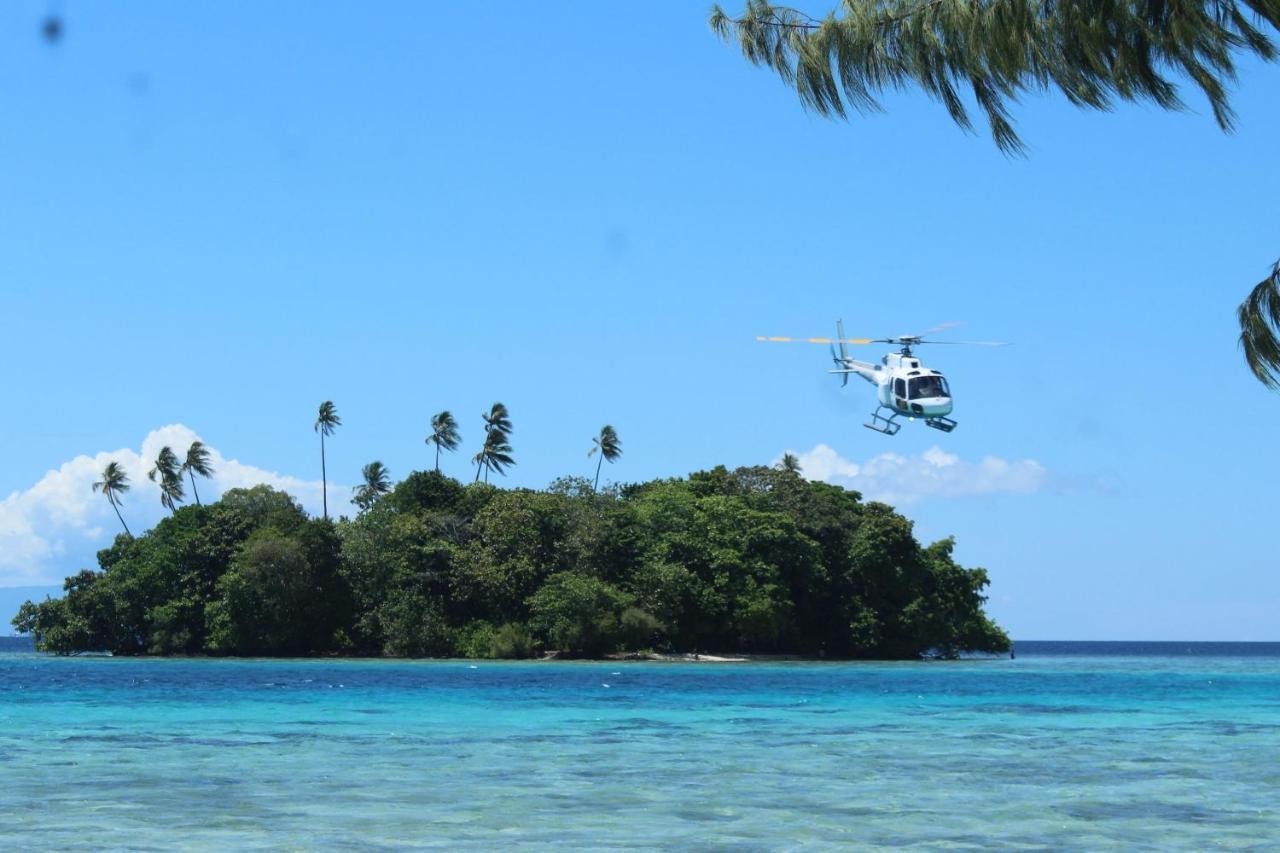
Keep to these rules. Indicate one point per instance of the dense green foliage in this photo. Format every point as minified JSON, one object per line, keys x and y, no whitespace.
{"x":754,"y":560}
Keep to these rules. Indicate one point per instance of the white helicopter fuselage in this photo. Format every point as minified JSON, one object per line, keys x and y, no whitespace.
{"x":904,"y":384}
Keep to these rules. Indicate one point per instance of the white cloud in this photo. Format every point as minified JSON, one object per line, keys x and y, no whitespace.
{"x":54,"y":528}
{"x":897,"y":479}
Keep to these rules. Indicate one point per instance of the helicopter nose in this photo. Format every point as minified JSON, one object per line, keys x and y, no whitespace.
{"x":935,"y":406}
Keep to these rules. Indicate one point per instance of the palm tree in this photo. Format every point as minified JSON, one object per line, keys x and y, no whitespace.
{"x":444,"y":433}
{"x":790,"y":464}
{"x":497,"y":426}
{"x":326,"y":422}
{"x":498,"y":418}
{"x":114,"y":482}
{"x":609,"y":447}
{"x":167,"y":469}
{"x":377,"y":482}
{"x":197,"y":462}
{"x":495,"y":454}
{"x":1259,"y":317}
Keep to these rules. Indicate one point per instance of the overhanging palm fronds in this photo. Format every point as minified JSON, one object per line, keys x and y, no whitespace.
{"x":1259,"y":318}
{"x":1092,"y":51}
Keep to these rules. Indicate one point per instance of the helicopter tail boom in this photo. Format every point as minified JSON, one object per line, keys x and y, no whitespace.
{"x":860,"y":368}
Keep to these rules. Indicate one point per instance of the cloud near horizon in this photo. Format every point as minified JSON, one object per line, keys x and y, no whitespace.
{"x":903,"y":480}
{"x":54,"y":528}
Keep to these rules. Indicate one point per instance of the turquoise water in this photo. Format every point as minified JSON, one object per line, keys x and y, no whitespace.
{"x":1049,"y":751}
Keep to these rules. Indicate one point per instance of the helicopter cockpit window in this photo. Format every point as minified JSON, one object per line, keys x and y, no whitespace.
{"x":928,"y":386}
{"x":900,"y":387}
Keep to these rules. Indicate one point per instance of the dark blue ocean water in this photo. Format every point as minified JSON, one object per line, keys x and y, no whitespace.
{"x":1156,"y":746}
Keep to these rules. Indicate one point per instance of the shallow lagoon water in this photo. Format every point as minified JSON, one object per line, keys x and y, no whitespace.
{"x":1052,"y":750}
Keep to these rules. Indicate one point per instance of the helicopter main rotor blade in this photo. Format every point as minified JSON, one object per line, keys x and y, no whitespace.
{"x":969,"y":343}
{"x":938,"y":328}
{"x":784,"y":340}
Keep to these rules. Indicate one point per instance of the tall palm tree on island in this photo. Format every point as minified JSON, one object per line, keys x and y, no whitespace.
{"x":494,"y":456}
{"x":790,"y":464}
{"x":197,"y":462}
{"x":377,"y":482}
{"x":114,"y":482}
{"x":167,"y":472}
{"x":497,"y":426}
{"x":608,"y":446}
{"x":444,"y":433}
{"x":326,"y":422}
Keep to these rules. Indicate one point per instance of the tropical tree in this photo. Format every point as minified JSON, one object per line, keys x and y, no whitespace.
{"x":1093,"y":52}
{"x":494,"y":455}
{"x":326,"y":422}
{"x":790,"y":464}
{"x":497,"y":427}
{"x":444,"y":433}
{"x":608,"y":446}
{"x":498,"y":418}
{"x":377,"y":482}
{"x":197,"y":462}
{"x":167,"y":473}
{"x":114,"y":482}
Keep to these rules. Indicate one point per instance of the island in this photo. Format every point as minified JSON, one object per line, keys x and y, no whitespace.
{"x":755,"y":560}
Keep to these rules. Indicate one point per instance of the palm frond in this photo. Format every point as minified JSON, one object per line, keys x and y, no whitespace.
{"x":377,"y":482}
{"x":609,"y":443}
{"x":498,"y":418}
{"x":166,"y":466}
{"x":444,"y":431}
{"x":376,"y":477}
{"x":327,"y":419}
{"x":198,"y":460}
{"x":1094,"y":52}
{"x":1259,"y":317}
{"x":114,"y":481}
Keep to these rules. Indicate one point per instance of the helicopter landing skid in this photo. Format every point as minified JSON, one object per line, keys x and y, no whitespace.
{"x":944,"y":424}
{"x":879,"y":423}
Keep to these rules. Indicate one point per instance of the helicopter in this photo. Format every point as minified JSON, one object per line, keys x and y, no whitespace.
{"x":904,"y":386}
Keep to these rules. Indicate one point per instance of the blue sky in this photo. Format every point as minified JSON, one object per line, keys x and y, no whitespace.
{"x":216,"y":216}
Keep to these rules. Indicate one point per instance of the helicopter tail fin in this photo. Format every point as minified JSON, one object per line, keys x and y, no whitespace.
{"x":844,"y":351}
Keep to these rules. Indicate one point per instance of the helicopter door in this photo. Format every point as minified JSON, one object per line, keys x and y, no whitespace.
{"x":900,"y":392}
